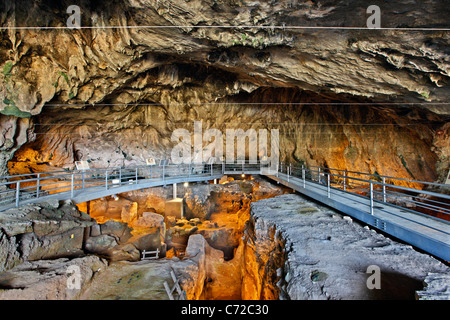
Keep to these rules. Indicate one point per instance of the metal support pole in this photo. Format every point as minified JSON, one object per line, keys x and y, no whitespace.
{"x":328,"y":185}
{"x":163,"y":172}
{"x":371,"y":198}
{"x":304,"y":177}
{"x":38,"y":182}
{"x":174,"y":191}
{"x":344,"y":174}
{"x":17,"y":193}
{"x":106,"y":179}
{"x":82,"y":175}
{"x":71,"y":186}
{"x":318,"y":174}
{"x":211,"y":169}
{"x":384,"y":189}
{"x":120,"y":176}
{"x":136,"y":175}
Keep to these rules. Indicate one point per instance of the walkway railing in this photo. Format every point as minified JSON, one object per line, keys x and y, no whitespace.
{"x":419,"y":196}
{"x":416,"y":212}
{"x":428,"y":198}
{"x":33,"y":187}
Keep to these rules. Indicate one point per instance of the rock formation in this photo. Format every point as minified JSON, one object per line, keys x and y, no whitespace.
{"x":113,"y":92}
{"x":326,"y":256}
{"x":120,"y":83}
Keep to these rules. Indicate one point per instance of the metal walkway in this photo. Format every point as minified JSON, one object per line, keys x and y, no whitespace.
{"x":379,"y":201}
{"x":84,"y":185}
{"x":415,"y":212}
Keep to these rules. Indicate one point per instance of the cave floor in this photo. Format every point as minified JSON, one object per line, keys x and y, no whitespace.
{"x":328,"y":254}
{"x":143,"y":280}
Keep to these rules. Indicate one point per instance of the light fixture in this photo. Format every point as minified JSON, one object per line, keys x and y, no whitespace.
{"x":243,"y":175}
{"x":186,"y":184}
{"x":115,"y":197}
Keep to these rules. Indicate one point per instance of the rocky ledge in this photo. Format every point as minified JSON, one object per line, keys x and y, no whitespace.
{"x":327,"y":255}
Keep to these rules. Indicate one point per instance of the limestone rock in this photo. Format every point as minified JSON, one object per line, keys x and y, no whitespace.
{"x":100,"y":244}
{"x":327,"y":258}
{"x":299,"y":73}
{"x":48,"y":279}
{"x":124,"y":280}
{"x":116,"y":228}
{"x":437,"y":287}
{"x":129,"y":212}
{"x":150,"y":240}
{"x":150,"y":220}
{"x":121,"y":252}
{"x":9,"y":256}
{"x":41,"y":231}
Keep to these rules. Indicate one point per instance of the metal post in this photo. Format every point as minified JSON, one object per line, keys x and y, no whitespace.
{"x":328,"y":185}
{"x":371,"y":198}
{"x":17,"y":193}
{"x":120,"y":176}
{"x":304,"y":177}
{"x":136,"y":174}
{"x":189,"y":168}
{"x":106,"y":179}
{"x":318,"y":174}
{"x":38,"y":182}
{"x":82,"y":174}
{"x":163,"y":173}
{"x":151,"y":172}
{"x":344,"y":178}
{"x":211,"y":169}
{"x":384,"y":189}
{"x":71,"y":186}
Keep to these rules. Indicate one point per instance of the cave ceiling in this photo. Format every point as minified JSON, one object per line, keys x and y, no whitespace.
{"x":183,"y":56}
{"x":130,"y":64}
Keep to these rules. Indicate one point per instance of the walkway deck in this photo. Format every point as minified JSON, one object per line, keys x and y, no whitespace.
{"x":422,"y":231}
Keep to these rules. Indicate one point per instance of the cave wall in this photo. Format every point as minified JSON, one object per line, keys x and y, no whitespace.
{"x":114,"y":96}
{"x":402,"y":142}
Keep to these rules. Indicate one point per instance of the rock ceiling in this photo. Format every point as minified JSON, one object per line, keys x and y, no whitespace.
{"x":201,"y":56}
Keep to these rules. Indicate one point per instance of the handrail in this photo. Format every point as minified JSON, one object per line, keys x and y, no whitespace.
{"x":46,"y":183}
{"x":383,"y":176}
{"x":372,"y":189}
{"x":16,"y":190}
